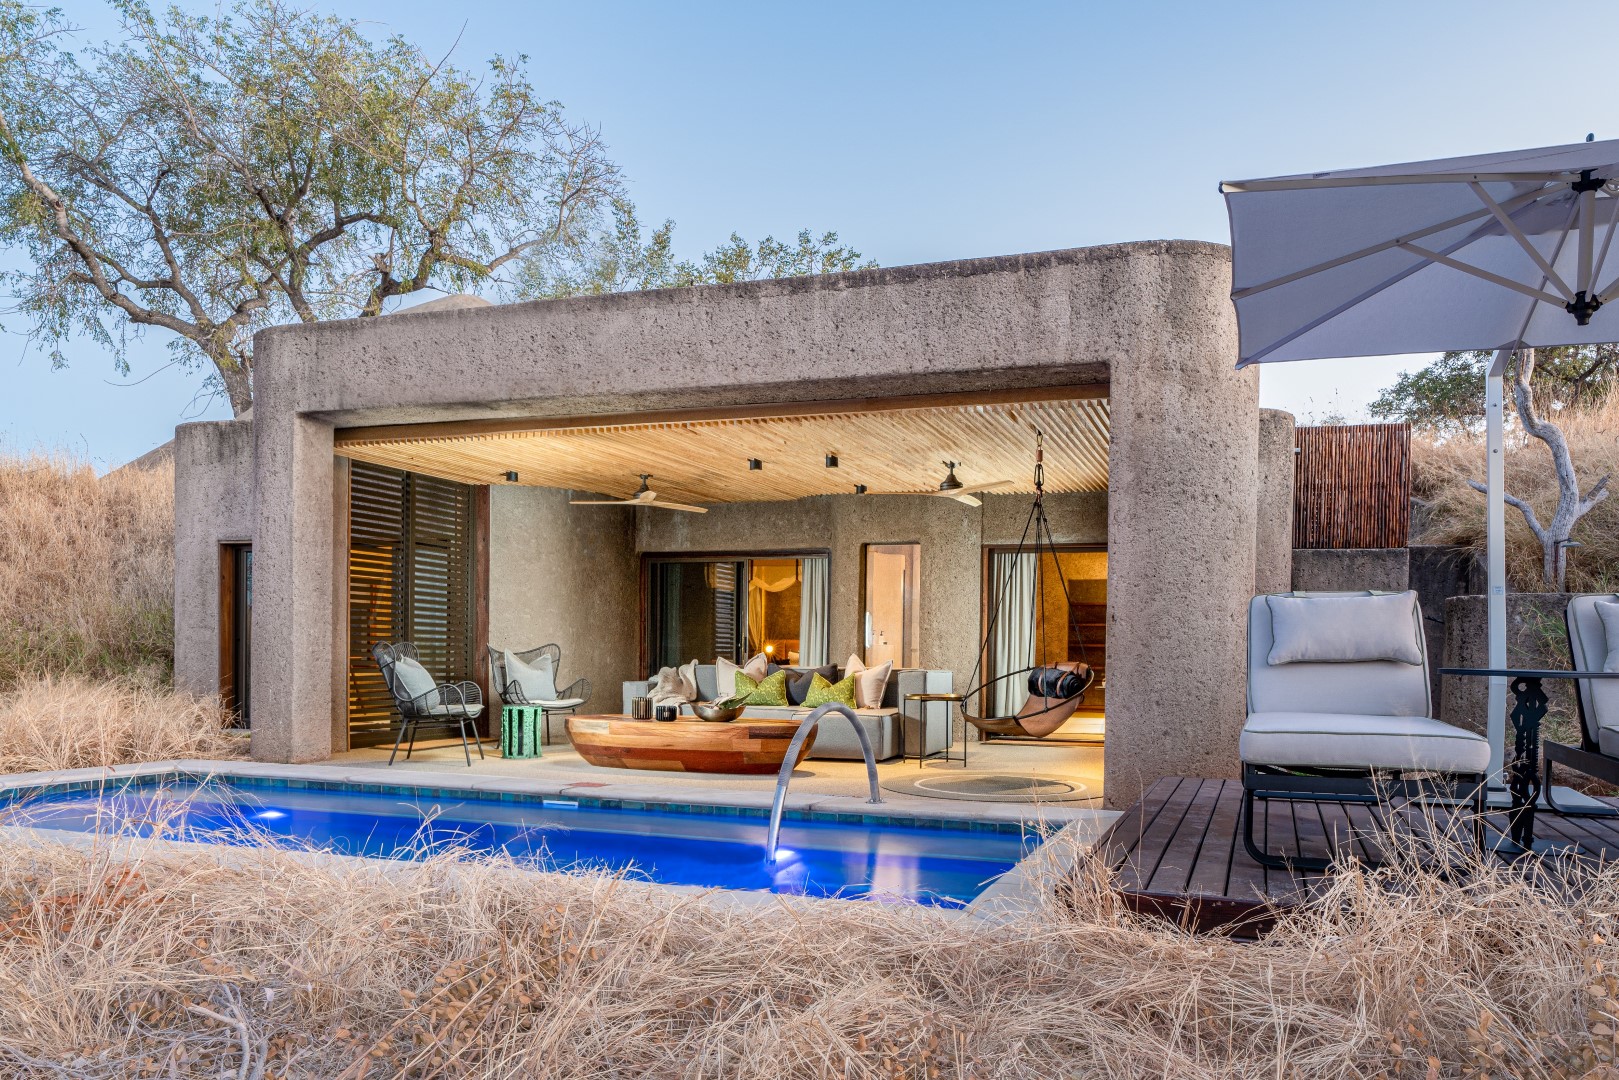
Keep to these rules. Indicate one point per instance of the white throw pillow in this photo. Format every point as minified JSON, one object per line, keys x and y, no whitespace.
{"x":1608,"y":612}
{"x":725,"y":673}
{"x":1344,"y":629}
{"x":688,"y":681}
{"x":869,"y":683}
{"x":412,"y":678}
{"x":538,"y":681}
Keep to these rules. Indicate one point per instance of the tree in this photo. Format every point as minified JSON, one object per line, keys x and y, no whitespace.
{"x":625,"y":258}
{"x":1447,"y":397}
{"x":211,"y":175}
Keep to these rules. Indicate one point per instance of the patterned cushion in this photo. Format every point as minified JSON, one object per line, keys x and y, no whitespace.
{"x":821,"y":692}
{"x":771,"y":690}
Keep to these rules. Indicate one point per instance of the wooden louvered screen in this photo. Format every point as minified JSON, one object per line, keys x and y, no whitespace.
{"x":1352,"y":486}
{"x":411,"y":549}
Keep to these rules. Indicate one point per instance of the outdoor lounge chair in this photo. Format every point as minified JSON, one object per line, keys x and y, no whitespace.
{"x":1339,"y":710}
{"x":1590,"y":647}
{"x":538,"y":687}
{"x":422,"y":699}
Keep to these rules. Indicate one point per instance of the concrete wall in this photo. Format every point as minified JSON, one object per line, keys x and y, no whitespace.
{"x":565,"y":574}
{"x":1351,"y":569}
{"x":1273,"y":551}
{"x":1153,"y":320}
{"x":1536,"y":638}
{"x":213,"y":505}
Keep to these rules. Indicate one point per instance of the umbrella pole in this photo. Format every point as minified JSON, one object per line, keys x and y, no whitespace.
{"x":1496,"y":557}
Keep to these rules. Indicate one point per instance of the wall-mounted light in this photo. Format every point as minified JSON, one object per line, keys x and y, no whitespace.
{"x":754,"y":464}
{"x":511,"y":476}
{"x":831,"y":461}
{"x":860,"y":489}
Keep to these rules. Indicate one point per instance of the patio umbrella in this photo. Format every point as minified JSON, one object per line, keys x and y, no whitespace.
{"x":1489,"y":252}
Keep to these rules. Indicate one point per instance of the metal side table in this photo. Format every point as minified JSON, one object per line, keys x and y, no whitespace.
{"x":924,"y":701}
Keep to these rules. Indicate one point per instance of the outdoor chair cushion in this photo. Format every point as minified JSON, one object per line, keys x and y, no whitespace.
{"x":412,"y":679}
{"x":537,"y":681}
{"x":1350,"y":741}
{"x":1372,"y":687}
{"x":457,"y":709}
{"x":1608,"y":612}
{"x":1592,"y":643}
{"x":557,"y":704}
{"x":1344,"y":629}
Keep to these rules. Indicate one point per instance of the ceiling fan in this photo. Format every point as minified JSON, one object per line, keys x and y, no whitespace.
{"x":643,"y":497}
{"x":952,"y":488}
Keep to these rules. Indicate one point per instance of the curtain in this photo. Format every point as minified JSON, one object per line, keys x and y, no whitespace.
{"x":1011,"y":647}
{"x":812,"y":614}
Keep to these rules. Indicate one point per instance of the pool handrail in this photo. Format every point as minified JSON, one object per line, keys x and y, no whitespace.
{"x":805,"y":728}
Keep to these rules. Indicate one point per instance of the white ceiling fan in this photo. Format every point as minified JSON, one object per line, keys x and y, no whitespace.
{"x":644,"y":497}
{"x":952,"y":488}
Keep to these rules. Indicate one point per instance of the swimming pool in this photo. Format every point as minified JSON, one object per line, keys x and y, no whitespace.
{"x":942,"y":863}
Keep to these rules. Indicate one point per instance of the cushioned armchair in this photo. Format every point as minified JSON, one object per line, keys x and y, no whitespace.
{"x":1593,"y":644}
{"x":529,"y":678}
{"x":422,"y":699}
{"x":1339,"y":710}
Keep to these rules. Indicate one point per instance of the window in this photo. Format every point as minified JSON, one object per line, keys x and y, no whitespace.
{"x":703,"y":607}
{"x":236,"y":630}
{"x":893,"y":604}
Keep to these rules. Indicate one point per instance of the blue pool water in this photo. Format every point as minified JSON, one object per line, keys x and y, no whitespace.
{"x":940,"y":866}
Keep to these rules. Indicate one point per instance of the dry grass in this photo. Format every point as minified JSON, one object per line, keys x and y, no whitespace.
{"x":86,"y":570}
{"x":1455,"y":512}
{"x":69,"y":722}
{"x":259,"y":963}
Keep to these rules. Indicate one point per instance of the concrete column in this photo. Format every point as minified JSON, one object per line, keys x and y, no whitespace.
{"x":293,"y":644}
{"x":1273,"y":554}
{"x":213,"y":505}
{"x":1183,"y":469}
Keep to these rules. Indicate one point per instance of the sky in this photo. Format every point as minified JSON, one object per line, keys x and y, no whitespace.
{"x":934,"y":131}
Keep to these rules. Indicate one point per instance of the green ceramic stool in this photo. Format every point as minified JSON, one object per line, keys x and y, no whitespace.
{"x":520,"y":730}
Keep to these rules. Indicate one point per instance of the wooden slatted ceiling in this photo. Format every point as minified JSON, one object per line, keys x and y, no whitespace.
{"x":705,"y":461}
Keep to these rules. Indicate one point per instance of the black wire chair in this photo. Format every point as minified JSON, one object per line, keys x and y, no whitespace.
{"x":568,"y":699}
{"x":458,"y":703}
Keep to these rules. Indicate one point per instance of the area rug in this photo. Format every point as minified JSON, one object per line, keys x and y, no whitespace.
{"x":989,"y":786}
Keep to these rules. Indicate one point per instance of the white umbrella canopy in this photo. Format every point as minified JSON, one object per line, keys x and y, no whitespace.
{"x":1493,"y":251}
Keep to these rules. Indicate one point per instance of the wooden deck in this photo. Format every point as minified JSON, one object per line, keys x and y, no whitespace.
{"x":1178,"y":851}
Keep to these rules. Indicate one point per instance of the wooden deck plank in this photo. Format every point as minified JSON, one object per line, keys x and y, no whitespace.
{"x":1212,"y":876}
{"x":1142,"y":866}
{"x":1183,"y":850}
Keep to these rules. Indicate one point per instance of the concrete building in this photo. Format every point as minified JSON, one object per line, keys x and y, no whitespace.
{"x":1123,"y":355}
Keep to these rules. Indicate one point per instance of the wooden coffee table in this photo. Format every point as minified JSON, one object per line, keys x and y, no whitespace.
{"x":686,"y":745}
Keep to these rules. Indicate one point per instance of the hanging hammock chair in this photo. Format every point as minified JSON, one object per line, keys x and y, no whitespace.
{"x":1056,"y":689}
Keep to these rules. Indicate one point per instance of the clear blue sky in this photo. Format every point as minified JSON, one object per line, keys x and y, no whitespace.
{"x":934,"y":131}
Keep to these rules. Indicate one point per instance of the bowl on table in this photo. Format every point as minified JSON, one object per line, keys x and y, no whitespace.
{"x":718,"y":712}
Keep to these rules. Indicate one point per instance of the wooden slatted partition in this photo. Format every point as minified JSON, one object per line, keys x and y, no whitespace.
{"x":411,"y":578}
{"x":1352,"y":486}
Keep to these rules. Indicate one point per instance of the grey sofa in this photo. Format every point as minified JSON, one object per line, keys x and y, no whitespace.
{"x":890,"y":732}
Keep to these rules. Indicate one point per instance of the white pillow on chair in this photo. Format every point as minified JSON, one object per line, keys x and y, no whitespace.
{"x":538,"y":680}
{"x":1608,"y":612}
{"x":1344,"y":629}
{"x":413,"y":679}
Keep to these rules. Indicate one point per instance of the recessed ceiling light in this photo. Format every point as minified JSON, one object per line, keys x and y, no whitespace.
{"x":860,"y":489}
{"x":511,"y":476}
{"x":831,"y":461}
{"x":754,"y":464}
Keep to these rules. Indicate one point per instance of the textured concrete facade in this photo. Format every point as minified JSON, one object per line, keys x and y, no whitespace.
{"x":1273,"y":552}
{"x":1351,"y":569}
{"x":1151,"y":320}
{"x":213,"y":505}
{"x":1536,"y":638}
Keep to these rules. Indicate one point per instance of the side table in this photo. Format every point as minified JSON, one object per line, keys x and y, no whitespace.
{"x":520,"y":730}
{"x":921,"y":718}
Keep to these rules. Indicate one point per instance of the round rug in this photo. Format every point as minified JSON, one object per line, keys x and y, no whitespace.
{"x":989,"y":787}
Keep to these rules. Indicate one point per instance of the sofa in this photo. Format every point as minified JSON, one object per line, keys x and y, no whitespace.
{"x":890,"y":732}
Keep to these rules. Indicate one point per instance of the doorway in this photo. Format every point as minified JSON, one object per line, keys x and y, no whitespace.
{"x":236,"y":631}
{"x":893,"y":605}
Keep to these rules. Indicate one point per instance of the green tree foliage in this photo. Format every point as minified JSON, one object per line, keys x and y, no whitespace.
{"x":214,"y":174}
{"x":1447,"y":396}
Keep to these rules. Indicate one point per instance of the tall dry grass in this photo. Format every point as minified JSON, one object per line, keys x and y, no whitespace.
{"x":87,"y":621}
{"x":262,"y":963}
{"x":1455,"y":513}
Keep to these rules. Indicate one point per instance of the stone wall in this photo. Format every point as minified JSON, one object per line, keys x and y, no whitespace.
{"x":1536,"y":638}
{"x":1273,"y":549}
{"x":213,"y":505}
{"x":1350,"y":569}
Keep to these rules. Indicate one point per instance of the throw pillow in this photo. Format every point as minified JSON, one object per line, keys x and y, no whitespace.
{"x":1344,"y":629}
{"x":822,"y":691}
{"x":688,"y":681}
{"x":771,"y":690}
{"x":535,"y":682}
{"x":1608,"y":612}
{"x":799,"y":681}
{"x":870,"y":682}
{"x":412,"y":679}
{"x":725,"y":671}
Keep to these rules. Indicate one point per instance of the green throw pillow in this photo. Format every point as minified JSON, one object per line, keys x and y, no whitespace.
{"x":772,"y":690}
{"x":821,"y":691}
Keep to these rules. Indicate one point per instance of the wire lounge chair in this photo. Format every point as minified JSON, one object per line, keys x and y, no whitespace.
{"x":538,"y":688}
{"x":1339,"y":711}
{"x":422,"y":699}
{"x":1592,"y":648}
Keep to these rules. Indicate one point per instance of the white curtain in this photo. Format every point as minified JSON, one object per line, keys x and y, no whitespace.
{"x":812,"y":614}
{"x":1011,"y":646}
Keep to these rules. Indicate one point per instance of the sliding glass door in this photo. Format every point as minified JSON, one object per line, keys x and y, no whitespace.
{"x":1043,"y":614}
{"x":735,"y":606}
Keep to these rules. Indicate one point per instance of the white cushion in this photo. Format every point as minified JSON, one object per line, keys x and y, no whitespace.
{"x":1608,"y":612}
{"x":456,"y":710}
{"x":1352,"y":741}
{"x":413,"y":679}
{"x":725,"y":674}
{"x":537,"y":681}
{"x":559,"y":703}
{"x":1344,"y":629}
{"x":688,"y":680}
{"x":869,"y":683}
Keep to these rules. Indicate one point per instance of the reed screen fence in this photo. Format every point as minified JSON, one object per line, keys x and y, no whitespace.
{"x":1352,"y":486}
